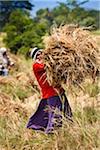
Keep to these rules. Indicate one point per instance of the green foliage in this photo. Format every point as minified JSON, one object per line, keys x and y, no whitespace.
{"x":88,"y":21}
{"x":18,"y":22}
{"x":60,"y":14}
{"x":75,"y":14}
{"x":23,"y":50}
{"x":88,"y":114}
{"x":92,"y":89}
{"x":91,"y":114}
{"x":43,"y":13}
{"x":21,"y":93}
{"x":7,"y":7}
{"x":75,"y":3}
{"x":23,"y":32}
{"x":62,"y":9}
{"x":17,"y":91}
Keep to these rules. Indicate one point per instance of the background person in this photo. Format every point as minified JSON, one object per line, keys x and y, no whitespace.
{"x":5,"y":62}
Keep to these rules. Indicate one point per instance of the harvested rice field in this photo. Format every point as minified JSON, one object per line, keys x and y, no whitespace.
{"x":20,"y":95}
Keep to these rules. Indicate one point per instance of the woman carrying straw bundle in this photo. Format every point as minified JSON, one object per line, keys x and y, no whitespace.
{"x":48,"y":114}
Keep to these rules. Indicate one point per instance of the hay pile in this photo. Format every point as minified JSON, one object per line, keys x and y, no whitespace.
{"x":8,"y":107}
{"x":70,"y":55}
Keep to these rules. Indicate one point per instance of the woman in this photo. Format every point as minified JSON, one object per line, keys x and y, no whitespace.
{"x":48,"y":114}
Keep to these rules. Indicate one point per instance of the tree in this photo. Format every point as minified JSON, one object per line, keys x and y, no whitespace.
{"x":75,"y":3}
{"x":60,"y":13}
{"x":73,"y":12}
{"x":19,"y":23}
{"x":44,"y":14}
{"x":6,"y":7}
{"x":23,"y":32}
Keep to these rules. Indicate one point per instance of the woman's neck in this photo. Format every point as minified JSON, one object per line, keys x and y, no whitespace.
{"x":39,"y":61}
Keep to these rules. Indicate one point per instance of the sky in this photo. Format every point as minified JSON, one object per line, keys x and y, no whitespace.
{"x":92,"y":4}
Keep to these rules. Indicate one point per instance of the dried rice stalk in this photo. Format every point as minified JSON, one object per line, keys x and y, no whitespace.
{"x":70,"y":55}
{"x":12,"y":109}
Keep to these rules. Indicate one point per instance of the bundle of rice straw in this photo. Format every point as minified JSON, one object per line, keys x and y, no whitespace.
{"x":70,"y":55}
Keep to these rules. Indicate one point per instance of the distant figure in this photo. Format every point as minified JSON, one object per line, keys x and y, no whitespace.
{"x":5,"y":62}
{"x":44,"y":117}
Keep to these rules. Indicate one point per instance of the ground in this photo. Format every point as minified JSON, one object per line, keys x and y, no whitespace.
{"x":19,"y":98}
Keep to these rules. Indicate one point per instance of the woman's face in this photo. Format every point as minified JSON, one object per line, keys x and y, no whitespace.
{"x":4,"y":53}
{"x":39,"y":55}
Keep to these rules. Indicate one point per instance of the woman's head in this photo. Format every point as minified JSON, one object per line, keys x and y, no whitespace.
{"x":39,"y":55}
{"x":3,"y":50}
{"x":36,"y":53}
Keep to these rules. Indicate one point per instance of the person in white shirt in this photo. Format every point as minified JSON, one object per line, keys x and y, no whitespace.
{"x":5,"y":62}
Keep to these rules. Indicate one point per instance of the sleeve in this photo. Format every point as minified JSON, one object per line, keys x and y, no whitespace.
{"x":38,"y":67}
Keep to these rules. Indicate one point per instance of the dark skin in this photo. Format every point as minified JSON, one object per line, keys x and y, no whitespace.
{"x":39,"y":57}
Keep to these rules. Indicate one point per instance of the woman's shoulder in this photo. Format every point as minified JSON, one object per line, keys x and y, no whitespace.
{"x":37,"y":66}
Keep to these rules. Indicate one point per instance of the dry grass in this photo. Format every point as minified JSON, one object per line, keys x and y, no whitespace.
{"x":83,"y":134}
{"x":70,"y":55}
{"x":19,"y":98}
{"x":2,"y":36}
